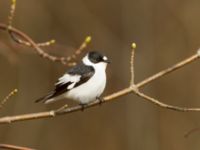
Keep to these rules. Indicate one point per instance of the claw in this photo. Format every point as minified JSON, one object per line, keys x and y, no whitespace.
{"x":100,"y":100}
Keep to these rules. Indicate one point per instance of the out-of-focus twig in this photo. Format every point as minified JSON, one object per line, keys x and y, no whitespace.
{"x":21,"y":38}
{"x":12,"y":93}
{"x":13,"y":147}
{"x":12,"y":34}
{"x":192,"y":131}
{"x":12,"y":12}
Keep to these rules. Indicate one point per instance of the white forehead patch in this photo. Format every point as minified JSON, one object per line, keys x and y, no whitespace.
{"x":105,"y":58}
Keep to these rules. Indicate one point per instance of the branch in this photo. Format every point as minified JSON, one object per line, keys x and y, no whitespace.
{"x":24,"y":39}
{"x":14,"y":147}
{"x":135,"y":88}
{"x":114,"y":96}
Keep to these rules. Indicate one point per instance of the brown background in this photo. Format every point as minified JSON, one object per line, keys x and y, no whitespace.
{"x":166,"y":31}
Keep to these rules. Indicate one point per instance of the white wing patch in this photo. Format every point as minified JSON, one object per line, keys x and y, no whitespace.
{"x":69,"y":78}
{"x":71,"y":85}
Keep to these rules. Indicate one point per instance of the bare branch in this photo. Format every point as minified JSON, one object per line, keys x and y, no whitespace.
{"x":14,"y":147}
{"x":12,"y":93}
{"x":24,"y":39}
{"x":112,"y":97}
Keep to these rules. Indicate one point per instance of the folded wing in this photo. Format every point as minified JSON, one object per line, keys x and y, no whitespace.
{"x":74,"y":77}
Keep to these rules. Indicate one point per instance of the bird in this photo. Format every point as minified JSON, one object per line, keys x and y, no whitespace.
{"x":83,"y":83}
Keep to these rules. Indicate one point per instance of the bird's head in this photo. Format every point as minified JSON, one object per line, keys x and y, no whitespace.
{"x":95,"y":58}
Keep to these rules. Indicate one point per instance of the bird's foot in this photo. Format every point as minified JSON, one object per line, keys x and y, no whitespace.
{"x":83,"y":106}
{"x":100,"y":100}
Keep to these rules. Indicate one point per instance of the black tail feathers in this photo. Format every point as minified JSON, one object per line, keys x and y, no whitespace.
{"x":44,"y":98}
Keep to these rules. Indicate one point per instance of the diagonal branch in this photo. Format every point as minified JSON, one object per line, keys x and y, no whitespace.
{"x":113,"y":97}
{"x":21,"y":38}
{"x":170,"y":69}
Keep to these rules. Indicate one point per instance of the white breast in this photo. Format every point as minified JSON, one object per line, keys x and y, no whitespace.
{"x":93,"y":88}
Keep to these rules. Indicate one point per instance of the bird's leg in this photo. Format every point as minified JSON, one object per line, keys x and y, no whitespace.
{"x":82,"y":106}
{"x":100,"y":100}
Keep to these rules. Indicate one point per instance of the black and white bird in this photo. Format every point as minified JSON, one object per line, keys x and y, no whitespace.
{"x":83,"y":83}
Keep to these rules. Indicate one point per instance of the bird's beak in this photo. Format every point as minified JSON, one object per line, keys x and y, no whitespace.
{"x":107,"y":61}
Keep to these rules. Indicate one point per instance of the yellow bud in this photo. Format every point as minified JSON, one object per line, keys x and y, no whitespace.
{"x":88,"y":39}
{"x":52,"y":41}
{"x":133,"y":45}
{"x":14,"y":2}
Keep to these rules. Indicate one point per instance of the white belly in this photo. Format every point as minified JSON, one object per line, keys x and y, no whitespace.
{"x":88,"y":91}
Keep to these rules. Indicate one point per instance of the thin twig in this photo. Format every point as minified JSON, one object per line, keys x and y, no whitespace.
{"x":163,"y":105}
{"x":12,"y":93}
{"x":80,"y":49}
{"x":112,"y":97}
{"x":13,"y":147}
{"x":22,"y":42}
{"x":132,"y":66}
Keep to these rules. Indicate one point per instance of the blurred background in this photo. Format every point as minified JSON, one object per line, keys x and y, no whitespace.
{"x":166,"y":31}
